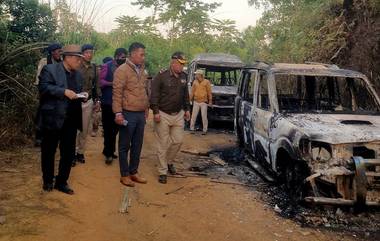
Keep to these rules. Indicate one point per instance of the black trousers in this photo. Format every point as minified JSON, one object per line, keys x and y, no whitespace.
{"x":110,"y":129}
{"x":66,"y":138}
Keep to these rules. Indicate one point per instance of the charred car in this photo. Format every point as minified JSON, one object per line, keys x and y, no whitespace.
{"x":315,"y":126}
{"x":223,"y":72}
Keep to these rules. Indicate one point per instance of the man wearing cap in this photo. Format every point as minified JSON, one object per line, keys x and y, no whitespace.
{"x":61,"y":116}
{"x":110,"y":128}
{"x":54,"y":56}
{"x":90,"y":79}
{"x":54,"y":51}
{"x":170,"y":105}
{"x":202,"y":98}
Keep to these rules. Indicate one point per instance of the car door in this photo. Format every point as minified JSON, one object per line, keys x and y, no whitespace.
{"x":261,"y":117}
{"x":243,"y":108}
{"x":238,"y":102}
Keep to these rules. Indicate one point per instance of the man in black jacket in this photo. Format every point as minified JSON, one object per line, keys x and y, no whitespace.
{"x":61,"y":116}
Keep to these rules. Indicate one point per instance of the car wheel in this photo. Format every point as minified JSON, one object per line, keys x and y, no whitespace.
{"x":295,"y":174}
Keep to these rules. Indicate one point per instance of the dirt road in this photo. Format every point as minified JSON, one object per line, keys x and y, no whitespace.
{"x":201,"y":210}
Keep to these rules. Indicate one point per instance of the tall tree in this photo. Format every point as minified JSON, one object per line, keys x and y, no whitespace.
{"x":128,"y":25}
{"x":29,"y":20}
{"x":181,"y":16}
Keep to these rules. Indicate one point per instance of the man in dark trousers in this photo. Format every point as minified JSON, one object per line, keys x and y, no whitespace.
{"x":130,"y":104}
{"x":110,"y":128}
{"x":61,"y":116}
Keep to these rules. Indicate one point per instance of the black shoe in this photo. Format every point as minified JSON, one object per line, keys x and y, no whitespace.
{"x":109,"y":160}
{"x":114,"y":156}
{"x":64,"y":188}
{"x":80,"y":158}
{"x":172,"y":169}
{"x":163,"y":179}
{"x":47,"y":187}
{"x":74,"y":163}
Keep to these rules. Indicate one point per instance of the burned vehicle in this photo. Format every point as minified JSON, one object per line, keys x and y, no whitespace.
{"x":316,"y":126}
{"x":222,"y":70}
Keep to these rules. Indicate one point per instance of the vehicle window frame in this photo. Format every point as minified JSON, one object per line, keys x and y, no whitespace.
{"x":241,"y":83}
{"x":259,"y":80}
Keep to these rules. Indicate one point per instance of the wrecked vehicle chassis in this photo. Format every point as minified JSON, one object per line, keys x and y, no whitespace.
{"x":317,"y":127}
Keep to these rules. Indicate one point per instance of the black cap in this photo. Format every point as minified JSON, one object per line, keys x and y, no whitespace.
{"x":53,"y":46}
{"x":180,"y":56}
{"x":107,"y":59}
{"x":87,"y":47}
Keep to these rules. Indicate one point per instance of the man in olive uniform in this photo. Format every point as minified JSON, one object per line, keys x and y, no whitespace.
{"x":90,"y":76}
{"x":170,"y":105}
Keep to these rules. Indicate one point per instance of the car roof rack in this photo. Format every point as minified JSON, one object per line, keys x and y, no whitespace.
{"x":332,"y":66}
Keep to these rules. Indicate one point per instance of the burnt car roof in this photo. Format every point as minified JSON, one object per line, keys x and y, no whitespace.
{"x":315,"y":69}
{"x":218,"y":59}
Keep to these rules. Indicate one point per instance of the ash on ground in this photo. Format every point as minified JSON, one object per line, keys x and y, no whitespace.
{"x":364,"y":225}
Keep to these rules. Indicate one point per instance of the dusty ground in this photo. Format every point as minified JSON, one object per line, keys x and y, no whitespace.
{"x":201,"y":210}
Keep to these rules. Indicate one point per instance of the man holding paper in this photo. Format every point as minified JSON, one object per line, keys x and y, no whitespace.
{"x":61,"y":116}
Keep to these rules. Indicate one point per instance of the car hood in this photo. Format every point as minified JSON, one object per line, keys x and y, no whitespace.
{"x":224,"y":90}
{"x":336,"y":128}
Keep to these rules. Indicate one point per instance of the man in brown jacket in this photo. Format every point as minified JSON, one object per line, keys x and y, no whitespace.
{"x":130,"y":103}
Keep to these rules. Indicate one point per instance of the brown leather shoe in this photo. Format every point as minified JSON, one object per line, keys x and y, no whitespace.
{"x":138,"y":179}
{"x":127,"y":181}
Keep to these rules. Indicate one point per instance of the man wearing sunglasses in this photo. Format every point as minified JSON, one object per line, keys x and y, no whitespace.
{"x":170,"y":105}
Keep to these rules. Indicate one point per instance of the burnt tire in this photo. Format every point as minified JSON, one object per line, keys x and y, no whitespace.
{"x":295,"y":174}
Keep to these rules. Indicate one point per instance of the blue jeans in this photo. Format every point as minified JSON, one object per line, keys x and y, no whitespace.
{"x":131,"y":139}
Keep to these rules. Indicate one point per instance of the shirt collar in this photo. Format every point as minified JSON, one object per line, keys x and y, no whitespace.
{"x":136,"y":67}
{"x":172,"y":73}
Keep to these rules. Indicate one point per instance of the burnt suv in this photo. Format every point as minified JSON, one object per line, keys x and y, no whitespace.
{"x":313,"y":124}
{"x":223,"y":72}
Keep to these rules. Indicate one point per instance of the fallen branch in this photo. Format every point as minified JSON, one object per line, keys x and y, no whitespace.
{"x":193,"y":173}
{"x":177,"y":176}
{"x":195,"y":153}
{"x":217,"y":160}
{"x":175,"y":190}
{"x":153,"y":231}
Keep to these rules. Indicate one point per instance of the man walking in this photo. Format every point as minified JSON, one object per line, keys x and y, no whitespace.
{"x":61,"y":116}
{"x":90,"y":78}
{"x":202,"y":98}
{"x":131,"y":105}
{"x":110,"y":128}
{"x":170,"y":105}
